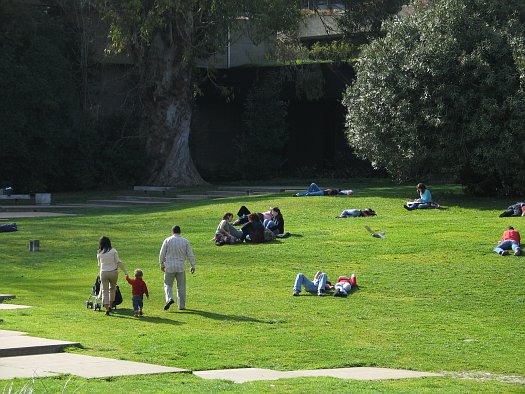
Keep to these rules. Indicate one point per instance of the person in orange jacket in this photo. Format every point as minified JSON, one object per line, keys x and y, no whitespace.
{"x":509,"y":240}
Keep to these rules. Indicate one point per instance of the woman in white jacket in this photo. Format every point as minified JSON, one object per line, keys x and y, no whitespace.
{"x":108,"y":262}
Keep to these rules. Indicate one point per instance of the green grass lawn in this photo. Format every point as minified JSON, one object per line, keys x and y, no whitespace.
{"x":432,"y":297}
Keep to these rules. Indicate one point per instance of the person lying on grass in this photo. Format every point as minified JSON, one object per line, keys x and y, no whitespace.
{"x":344,"y":286}
{"x":244,"y":212}
{"x":517,"y":209}
{"x":314,"y":190}
{"x":319,"y":284}
{"x":509,"y":240}
{"x":354,"y":213}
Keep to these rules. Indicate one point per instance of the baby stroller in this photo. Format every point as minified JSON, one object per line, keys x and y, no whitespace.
{"x":94,"y":301}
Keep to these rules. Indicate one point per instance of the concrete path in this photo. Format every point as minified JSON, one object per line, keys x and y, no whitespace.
{"x":242,"y":375}
{"x":12,"y":306}
{"x":23,"y":356}
{"x":75,"y":364}
{"x":26,"y":211}
{"x":28,"y":214}
{"x":16,"y":343}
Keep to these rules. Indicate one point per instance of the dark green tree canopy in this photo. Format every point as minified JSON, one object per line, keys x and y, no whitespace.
{"x":441,"y":94}
{"x":367,"y":16}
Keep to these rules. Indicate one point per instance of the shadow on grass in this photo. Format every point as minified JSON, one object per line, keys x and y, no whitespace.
{"x":277,"y":240}
{"x":293,"y":235}
{"x":128,"y":314}
{"x":451,"y":195}
{"x":219,"y":316}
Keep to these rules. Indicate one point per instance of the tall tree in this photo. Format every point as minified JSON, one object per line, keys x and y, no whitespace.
{"x":443,"y":93}
{"x":165,"y":38}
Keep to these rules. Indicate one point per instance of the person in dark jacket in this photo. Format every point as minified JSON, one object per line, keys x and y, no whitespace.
{"x":253,"y":230}
{"x":276,"y":223}
{"x":517,"y":209}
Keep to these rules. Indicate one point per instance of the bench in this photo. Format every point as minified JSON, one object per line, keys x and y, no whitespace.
{"x":15,"y":197}
{"x":6,"y":297}
{"x":162,"y":189}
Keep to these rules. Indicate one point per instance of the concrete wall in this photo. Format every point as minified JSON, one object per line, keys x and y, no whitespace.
{"x":241,"y":51}
{"x":319,"y":26}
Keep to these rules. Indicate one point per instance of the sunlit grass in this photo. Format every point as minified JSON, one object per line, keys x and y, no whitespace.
{"x":433,"y":296}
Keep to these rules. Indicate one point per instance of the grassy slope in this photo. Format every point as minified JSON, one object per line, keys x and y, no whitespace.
{"x":433,"y":296}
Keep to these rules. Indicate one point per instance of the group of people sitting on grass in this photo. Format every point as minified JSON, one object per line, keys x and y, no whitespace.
{"x":256,"y":227}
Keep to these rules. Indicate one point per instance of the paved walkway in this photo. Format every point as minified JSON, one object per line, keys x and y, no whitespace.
{"x":32,"y":210}
{"x":75,"y":364}
{"x":28,"y":214}
{"x":12,"y":306}
{"x":23,"y":356}
{"x":242,"y":375}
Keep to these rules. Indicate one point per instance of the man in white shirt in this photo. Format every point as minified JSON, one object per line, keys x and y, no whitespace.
{"x":173,"y":254}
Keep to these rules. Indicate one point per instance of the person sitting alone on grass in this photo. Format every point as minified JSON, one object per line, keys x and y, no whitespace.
{"x":354,"y":213}
{"x":509,"y":240}
{"x":138,"y":289}
{"x":423,"y":202}
{"x":314,"y":190}
{"x":319,"y":284}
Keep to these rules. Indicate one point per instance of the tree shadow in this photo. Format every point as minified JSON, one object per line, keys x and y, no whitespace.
{"x":219,"y":316}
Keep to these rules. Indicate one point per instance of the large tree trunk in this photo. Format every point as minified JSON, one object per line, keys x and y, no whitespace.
{"x":169,"y":122}
{"x":168,"y":111}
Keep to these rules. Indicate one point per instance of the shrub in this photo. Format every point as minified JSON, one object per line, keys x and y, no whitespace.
{"x":440,"y":94}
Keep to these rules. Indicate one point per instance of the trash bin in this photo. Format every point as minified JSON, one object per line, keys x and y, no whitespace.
{"x":42,"y":198}
{"x":34,"y":245}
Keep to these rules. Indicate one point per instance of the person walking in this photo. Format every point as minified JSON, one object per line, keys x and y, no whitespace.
{"x":174,"y":252}
{"x":109,"y":263}
{"x":138,"y":289}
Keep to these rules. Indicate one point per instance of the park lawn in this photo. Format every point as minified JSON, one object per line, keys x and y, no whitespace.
{"x":432,"y":297}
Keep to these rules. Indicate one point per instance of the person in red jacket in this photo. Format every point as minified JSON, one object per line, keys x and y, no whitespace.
{"x":138,"y":289}
{"x":344,"y":285}
{"x":509,"y":240}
